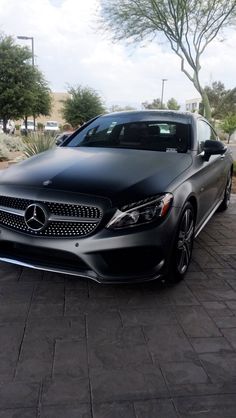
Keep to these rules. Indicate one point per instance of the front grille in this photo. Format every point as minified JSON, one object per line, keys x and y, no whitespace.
{"x":74,"y":210}
{"x":14,"y":202}
{"x":60,"y":209}
{"x":82,"y":219}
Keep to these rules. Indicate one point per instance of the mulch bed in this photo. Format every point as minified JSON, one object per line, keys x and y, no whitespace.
{"x":234,"y":185}
{"x":13,"y":155}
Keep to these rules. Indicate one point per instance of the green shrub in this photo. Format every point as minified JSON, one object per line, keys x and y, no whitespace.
{"x":222,"y":136}
{"x":12,"y":143}
{"x":36,"y":143}
{"x":66,"y":127}
{"x":40,"y":126}
{"x":229,"y":125}
{"x":4,"y":154}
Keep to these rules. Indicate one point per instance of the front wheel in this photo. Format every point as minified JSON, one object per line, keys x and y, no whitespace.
{"x":183,"y":246}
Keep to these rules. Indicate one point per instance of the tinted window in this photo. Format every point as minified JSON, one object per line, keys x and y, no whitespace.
{"x":52,"y":124}
{"x":117,"y":132}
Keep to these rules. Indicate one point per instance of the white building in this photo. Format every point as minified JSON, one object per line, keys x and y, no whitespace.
{"x":192,"y":105}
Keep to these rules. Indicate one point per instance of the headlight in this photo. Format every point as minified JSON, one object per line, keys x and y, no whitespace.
{"x":141,"y":212}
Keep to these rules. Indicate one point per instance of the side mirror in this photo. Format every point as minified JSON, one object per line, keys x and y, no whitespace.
{"x":212,"y":147}
{"x":59,"y":141}
{"x":61,"y":138}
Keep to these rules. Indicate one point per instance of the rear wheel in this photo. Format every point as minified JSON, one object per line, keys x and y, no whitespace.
{"x":183,"y":246}
{"x":225,"y":203}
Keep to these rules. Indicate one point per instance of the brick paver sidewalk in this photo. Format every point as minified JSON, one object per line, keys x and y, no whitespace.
{"x":74,"y":349}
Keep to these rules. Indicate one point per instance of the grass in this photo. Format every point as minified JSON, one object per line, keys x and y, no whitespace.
{"x":234,"y":168}
{"x":36,"y":143}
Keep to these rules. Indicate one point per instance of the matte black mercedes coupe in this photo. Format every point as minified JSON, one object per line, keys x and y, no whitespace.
{"x":120,"y":200}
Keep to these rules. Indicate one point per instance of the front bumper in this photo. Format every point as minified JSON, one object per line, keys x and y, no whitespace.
{"x":132,"y":255}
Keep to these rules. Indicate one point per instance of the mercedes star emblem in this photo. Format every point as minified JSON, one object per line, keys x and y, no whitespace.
{"x":47,"y":182}
{"x":36,"y":217}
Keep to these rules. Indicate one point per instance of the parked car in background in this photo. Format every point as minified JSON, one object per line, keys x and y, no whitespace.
{"x":121,"y":200}
{"x":30,"y":126}
{"x":51,"y":126}
{"x":1,"y":126}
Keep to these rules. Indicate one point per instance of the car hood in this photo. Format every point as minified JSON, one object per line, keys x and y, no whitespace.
{"x":121,"y":175}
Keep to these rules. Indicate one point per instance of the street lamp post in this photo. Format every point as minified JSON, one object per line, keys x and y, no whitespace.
{"x":32,"y":55}
{"x":162,"y":91}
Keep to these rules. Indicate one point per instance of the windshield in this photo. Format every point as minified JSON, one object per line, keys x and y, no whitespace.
{"x":108,"y":132}
{"x":51,"y":124}
{"x":29,"y":123}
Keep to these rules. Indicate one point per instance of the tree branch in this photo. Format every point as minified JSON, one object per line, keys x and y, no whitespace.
{"x":183,"y":69}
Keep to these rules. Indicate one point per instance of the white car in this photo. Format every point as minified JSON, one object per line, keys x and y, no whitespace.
{"x":30,"y":126}
{"x":51,"y":126}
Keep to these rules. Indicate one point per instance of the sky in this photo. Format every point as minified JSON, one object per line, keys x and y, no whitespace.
{"x":71,"y":51}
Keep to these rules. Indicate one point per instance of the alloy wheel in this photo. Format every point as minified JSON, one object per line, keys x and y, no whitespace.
{"x":185,"y":241}
{"x":228,"y":191}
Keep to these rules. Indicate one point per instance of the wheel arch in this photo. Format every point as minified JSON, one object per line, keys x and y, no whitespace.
{"x":232,"y":169}
{"x":192,"y":199}
{"x":186,"y":194}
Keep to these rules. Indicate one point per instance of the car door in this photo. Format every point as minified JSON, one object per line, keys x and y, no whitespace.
{"x":210,"y":174}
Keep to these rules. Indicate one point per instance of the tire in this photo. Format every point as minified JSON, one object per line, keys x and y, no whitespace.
{"x":227,"y":194}
{"x":183,"y":245}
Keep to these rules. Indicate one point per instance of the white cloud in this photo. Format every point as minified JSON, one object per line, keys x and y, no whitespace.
{"x":69,"y":50}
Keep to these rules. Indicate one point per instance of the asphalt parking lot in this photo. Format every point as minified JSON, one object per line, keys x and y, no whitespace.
{"x":74,"y":349}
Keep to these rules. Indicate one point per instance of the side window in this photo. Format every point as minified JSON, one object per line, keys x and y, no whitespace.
{"x":213,"y":135}
{"x":204,"y":133}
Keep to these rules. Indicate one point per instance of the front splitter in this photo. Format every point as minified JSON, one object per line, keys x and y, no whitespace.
{"x":88,"y":274}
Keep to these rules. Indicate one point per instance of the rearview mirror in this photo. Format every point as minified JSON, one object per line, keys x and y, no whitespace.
{"x":212,"y":147}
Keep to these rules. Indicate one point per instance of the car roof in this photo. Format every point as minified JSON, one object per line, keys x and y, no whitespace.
{"x":162,"y":115}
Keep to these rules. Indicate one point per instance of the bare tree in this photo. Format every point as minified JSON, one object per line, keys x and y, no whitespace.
{"x":188,"y":25}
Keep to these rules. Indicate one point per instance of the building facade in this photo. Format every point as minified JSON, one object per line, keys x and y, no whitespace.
{"x":192,"y":105}
{"x":56,"y":111}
